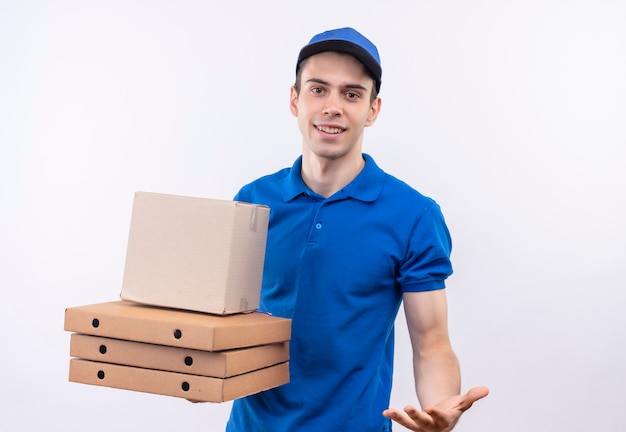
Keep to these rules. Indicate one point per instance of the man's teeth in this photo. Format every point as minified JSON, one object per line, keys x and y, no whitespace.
{"x":330,"y":130}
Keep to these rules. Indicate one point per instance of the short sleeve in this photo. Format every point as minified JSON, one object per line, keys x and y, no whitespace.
{"x":427,"y":264}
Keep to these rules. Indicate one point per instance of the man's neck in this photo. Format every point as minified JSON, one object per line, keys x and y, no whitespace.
{"x":325,"y":177}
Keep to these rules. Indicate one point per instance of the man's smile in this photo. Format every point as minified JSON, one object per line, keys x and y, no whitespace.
{"x":329,"y":129}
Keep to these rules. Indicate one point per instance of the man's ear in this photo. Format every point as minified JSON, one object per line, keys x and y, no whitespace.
{"x":374,"y":111}
{"x":293,"y":101}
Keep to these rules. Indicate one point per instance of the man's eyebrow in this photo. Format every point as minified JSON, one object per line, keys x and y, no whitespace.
{"x":318,"y":81}
{"x":348,"y":86}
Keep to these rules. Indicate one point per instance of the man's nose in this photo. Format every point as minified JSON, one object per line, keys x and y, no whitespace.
{"x":332,"y":105}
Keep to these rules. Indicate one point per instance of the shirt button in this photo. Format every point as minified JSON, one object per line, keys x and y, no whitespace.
{"x":318,"y":225}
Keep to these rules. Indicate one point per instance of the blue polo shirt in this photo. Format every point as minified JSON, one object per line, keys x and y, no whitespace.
{"x":337,"y":267}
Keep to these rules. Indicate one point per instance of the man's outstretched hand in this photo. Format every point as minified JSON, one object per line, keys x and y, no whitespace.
{"x":439,"y":418}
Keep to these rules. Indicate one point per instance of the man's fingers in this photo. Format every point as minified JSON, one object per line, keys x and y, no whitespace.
{"x":420,"y":417}
{"x":410,"y":419}
{"x":438,"y":416}
{"x":397,"y":416}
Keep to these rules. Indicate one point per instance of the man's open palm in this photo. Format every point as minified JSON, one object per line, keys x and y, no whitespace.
{"x":439,"y":418}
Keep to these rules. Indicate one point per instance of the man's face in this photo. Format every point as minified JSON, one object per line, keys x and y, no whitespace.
{"x":333,"y":105}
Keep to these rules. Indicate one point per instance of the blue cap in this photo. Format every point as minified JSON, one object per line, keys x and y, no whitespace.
{"x":348,"y":41}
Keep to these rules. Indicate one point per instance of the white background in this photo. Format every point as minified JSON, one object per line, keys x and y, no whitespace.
{"x":509,"y":113}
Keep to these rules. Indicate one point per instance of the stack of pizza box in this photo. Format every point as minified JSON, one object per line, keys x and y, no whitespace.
{"x":187,"y":324}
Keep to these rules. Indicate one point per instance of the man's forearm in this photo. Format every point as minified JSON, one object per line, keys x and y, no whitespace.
{"x":437,"y":375}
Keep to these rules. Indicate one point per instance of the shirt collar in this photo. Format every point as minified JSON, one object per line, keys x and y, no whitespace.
{"x":365,"y":187}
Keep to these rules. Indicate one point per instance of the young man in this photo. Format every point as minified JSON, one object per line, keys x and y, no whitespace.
{"x":347,"y":244}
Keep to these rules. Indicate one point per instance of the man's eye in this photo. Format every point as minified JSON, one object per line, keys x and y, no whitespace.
{"x":352,"y":95}
{"x":316,"y":90}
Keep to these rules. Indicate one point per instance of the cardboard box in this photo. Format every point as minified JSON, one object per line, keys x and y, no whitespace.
{"x":197,"y":254}
{"x":172,"y":327}
{"x":219,"y":364}
{"x":194,"y":387}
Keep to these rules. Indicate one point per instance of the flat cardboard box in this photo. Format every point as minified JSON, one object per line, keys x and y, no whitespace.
{"x":219,"y":364}
{"x":173,"y":327}
{"x":194,"y":387}
{"x":193,"y":253}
